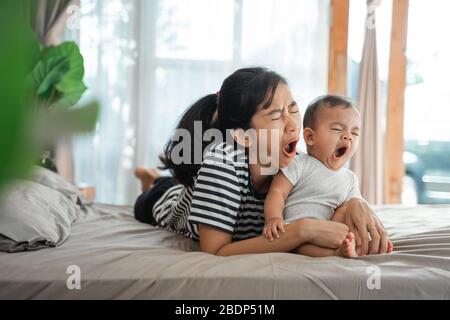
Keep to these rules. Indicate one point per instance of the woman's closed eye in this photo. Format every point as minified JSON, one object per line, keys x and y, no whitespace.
{"x":277,"y":115}
{"x":294,"y":109}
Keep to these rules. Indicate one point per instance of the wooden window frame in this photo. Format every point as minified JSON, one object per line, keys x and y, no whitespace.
{"x":337,"y":84}
{"x":394,"y":147}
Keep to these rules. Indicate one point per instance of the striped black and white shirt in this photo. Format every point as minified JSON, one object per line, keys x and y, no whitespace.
{"x":222,"y":197}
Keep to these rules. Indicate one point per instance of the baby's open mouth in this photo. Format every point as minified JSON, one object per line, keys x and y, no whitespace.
{"x":290,"y":149}
{"x":340,"y":152}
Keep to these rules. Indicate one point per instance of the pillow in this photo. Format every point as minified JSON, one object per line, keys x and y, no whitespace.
{"x":34,"y":216}
{"x":56,"y":182}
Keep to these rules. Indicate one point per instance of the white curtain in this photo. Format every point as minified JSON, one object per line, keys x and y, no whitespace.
{"x":368,"y":160}
{"x":50,"y":18}
{"x":147,"y":61}
{"x":108,"y":41}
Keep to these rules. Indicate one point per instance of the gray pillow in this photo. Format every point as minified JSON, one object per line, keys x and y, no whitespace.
{"x":56,"y":182}
{"x":34,"y":216}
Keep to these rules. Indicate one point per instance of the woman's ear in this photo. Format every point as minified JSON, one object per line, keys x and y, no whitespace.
{"x":241,"y":137}
{"x":308,"y":136}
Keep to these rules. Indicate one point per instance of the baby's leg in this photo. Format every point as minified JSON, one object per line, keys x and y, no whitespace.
{"x":339,"y":214}
{"x":347,"y":249}
{"x":312,"y":250}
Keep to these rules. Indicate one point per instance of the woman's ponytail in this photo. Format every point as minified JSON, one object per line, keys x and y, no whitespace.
{"x":204,"y":111}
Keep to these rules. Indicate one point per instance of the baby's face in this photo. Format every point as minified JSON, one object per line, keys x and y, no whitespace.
{"x":335,"y":137}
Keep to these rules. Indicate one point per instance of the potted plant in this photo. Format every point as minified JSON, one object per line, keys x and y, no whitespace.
{"x":52,"y":86}
{"x":56,"y":82}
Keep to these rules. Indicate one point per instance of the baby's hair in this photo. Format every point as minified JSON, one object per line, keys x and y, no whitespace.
{"x":325,"y":101}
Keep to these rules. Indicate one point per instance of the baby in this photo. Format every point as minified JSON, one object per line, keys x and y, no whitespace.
{"x":316,"y":184}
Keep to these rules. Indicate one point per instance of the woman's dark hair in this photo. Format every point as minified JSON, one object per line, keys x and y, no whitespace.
{"x":239,"y":98}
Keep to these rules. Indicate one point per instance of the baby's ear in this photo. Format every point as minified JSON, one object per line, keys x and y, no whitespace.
{"x":308,"y":136}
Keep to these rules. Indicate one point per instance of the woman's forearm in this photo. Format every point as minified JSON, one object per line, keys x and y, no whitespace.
{"x":327,"y":234}
{"x":295,"y":236}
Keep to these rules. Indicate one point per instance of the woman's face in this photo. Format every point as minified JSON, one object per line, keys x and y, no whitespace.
{"x":277,"y":130}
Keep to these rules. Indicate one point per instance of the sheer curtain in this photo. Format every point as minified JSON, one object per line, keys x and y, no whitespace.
{"x":368,"y":71}
{"x":49,"y":18}
{"x":148,"y":61}
{"x":108,"y":42}
{"x":367,"y":162}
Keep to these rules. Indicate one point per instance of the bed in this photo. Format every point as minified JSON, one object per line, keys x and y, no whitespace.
{"x":120,"y":258}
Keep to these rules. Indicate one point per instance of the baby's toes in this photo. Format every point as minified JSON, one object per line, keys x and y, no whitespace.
{"x":351,"y":236}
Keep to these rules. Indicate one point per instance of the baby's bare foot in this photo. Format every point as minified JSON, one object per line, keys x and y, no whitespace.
{"x":147,"y":177}
{"x":348,"y":248}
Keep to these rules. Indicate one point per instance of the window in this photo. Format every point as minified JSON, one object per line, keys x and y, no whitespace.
{"x":427,"y":104}
{"x":149,"y":60}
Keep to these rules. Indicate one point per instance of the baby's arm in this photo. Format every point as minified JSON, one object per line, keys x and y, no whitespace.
{"x":274,"y":205}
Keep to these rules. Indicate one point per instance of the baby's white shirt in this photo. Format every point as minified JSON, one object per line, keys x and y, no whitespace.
{"x":317,"y":190}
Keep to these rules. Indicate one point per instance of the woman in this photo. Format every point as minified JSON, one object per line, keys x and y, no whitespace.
{"x":220,"y":200}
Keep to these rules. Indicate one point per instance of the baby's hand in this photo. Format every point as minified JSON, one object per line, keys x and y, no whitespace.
{"x":272,"y":227}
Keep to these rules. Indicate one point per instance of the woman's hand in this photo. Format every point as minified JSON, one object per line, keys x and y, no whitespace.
{"x":362,"y":221}
{"x":327,"y":234}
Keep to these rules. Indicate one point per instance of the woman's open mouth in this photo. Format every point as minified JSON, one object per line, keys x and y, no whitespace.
{"x":290,"y":149}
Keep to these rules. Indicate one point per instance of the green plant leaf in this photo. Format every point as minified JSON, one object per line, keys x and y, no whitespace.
{"x":23,"y":134}
{"x":72,"y":93}
{"x":48,"y":73}
{"x":70,"y":86}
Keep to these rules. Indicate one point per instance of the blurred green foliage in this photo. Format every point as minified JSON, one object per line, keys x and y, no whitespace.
{"x":55,"y":81}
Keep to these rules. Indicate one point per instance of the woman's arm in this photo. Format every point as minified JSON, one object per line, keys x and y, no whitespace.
{"x":322,"y":233}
